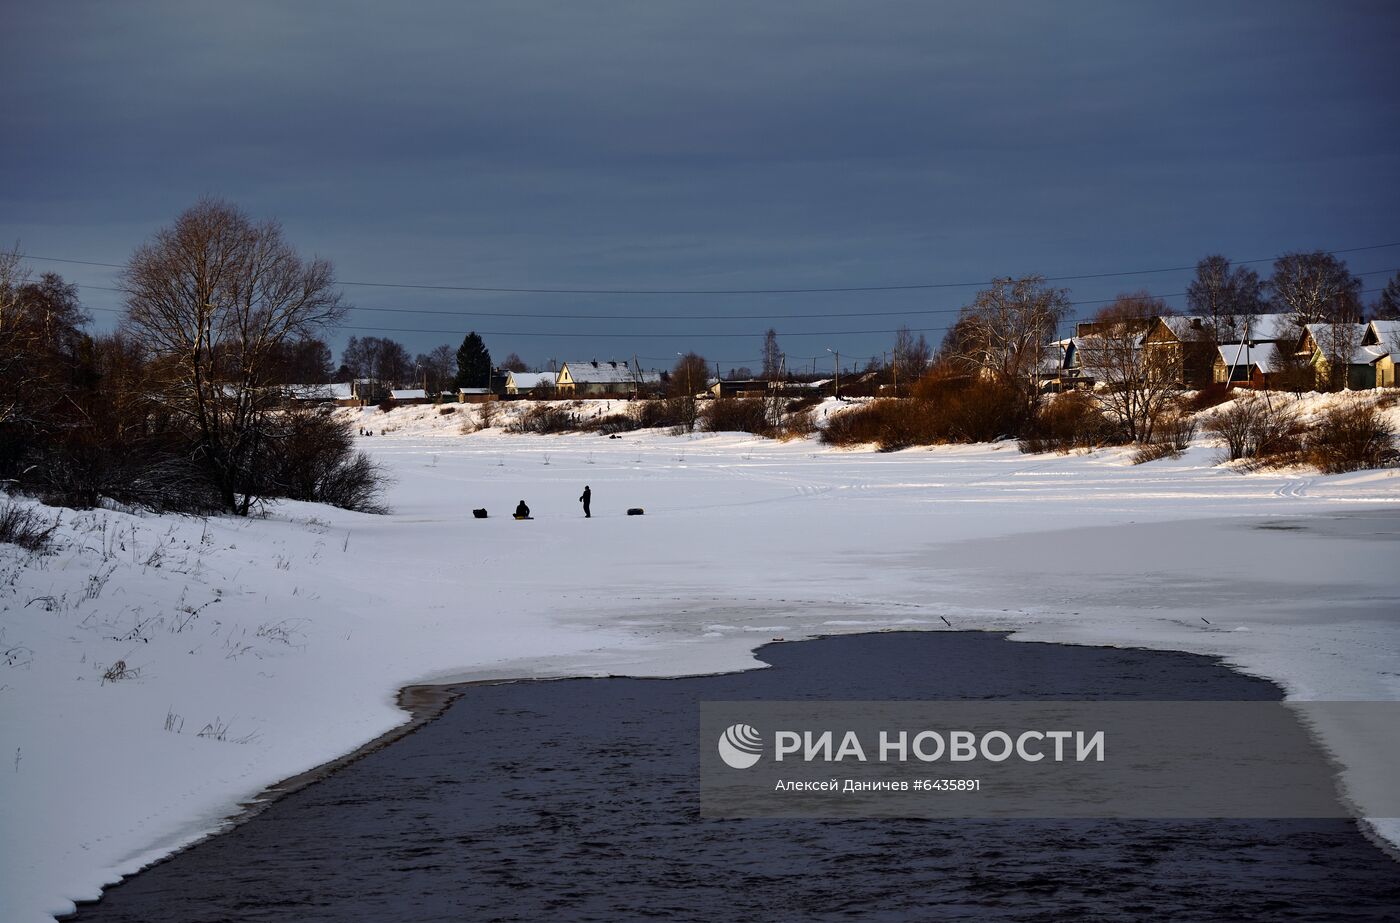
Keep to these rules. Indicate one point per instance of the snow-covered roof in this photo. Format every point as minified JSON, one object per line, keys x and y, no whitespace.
{"x":473,"y":390}
{"x":1185,"y":326}
{"x":1261,"y":355}
{"x":596,"y":372}
{"x":1321,"y":331}
{"x":1386,"y":332}
{"x":408,"y":394}
{"x":527,"y":380}
{"x":339,"y":391}
{"x":1369,"y":354}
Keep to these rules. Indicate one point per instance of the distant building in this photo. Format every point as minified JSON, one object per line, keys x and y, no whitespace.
{"x":602,"y":379}
{"x":536,"y":384}
{"x":409,"y":396}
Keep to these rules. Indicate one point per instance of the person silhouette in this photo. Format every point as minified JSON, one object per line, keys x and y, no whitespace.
{"x":522,"y":511}
{"x":586,"y":499}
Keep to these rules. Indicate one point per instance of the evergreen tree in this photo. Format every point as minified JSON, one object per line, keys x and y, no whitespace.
{"x":473,"y":363}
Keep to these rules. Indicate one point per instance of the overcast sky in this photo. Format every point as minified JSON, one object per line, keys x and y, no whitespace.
{"x":705,"y":145}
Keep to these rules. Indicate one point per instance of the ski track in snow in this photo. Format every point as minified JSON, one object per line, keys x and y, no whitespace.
{"x":291,"y":634}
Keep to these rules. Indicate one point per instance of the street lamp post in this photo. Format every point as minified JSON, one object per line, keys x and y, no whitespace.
{"x":836,"y":364}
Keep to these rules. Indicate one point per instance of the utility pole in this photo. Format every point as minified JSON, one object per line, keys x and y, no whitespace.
{"x":836,"y":364}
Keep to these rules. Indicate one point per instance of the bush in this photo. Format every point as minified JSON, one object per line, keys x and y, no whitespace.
{"x":651,"y":414}
{"x":24,"y":527}
{"x":860,"y":425}
{"x":613,"y":423}
{"x":1350,"y":438}
{"x":1212,"y":395}
{"x":310,"y":455}
{"x":387,"y":404}
{"x":736,"y":415}
{"x":1254,"y":429}
{"x":1069,"y":421}
{"x":1170,"y":437}
{"x":544,"y":419}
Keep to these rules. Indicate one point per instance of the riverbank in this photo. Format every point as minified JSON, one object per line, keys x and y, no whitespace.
{"x":293,"y":633}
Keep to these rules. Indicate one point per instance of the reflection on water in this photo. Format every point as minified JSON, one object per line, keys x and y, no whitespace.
{"x":576,"y":799}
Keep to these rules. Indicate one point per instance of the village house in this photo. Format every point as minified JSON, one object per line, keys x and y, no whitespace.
{"x":749,"y":387}
{"x":1368,"y":365}
{"x":1241,"y":364}
{"x":534,"y":384}
{"x":409,"y":396}
{"x":475,"y":395}
{"x":602,"y":379}
{"x":338,"y":393}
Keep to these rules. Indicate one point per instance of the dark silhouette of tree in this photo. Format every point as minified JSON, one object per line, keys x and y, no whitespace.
{"x":1316,"y":288}
{"x":212,"y":299}
{"x":473,"y":363}
{"x":1387,"y":306}
{"x":437,"y":370}
{"x":377,"y":358}
{"x":772,"y":356}
{"x":513,"y":363}
{"x":910,"y":356}
{"x":1226,"y":297}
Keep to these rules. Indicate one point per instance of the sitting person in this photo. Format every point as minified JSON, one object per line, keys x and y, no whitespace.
{"x":522,"y":511}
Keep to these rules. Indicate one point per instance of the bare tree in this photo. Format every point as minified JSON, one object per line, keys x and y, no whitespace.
{"x":378,"y":358}
{"x":910,"y":357}
{"x":772,"y":356}
{"x":1387,"y":306}
{"x":1002,"y":333}
{"x":1226,"y":297}
{"x":687,"y":379}
{"x":513,"y":363}
{"x":1316,"y":288}
{"x":437,"y":369}
{"x":1135,"y":385}
{"x":212,"y":298}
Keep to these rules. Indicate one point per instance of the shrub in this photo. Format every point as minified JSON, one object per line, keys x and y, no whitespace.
{"x":1252,"y":428}
{"x":613,"y":423}
{"x":736,"y":415}
{"x":1212,"y":395}
{"x":387,"y":404}
{"x":310,"y":455}
{"x":1069,"y":421}
{"x":544,"y":419}
{"x":859,"y":425}
{"x":1350,"y":438}
{"x":658,"y":412}
{"x":24,"y":527}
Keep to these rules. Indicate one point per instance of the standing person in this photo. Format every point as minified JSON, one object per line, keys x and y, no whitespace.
{"x":586,"y":499}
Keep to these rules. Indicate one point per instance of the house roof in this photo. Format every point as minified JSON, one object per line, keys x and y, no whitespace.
{"x":1385,"y":332}
{"x":408,"y":394}
{"x":527,"y":380}
{"x":473,"y":390}
{"x":595,"y":372}
{"x":1183,"y":325}
{"x":1262,"y":355}
{"x":333,"y":392}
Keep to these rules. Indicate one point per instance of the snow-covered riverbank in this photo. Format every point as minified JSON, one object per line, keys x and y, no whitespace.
{"x":284,"y":639}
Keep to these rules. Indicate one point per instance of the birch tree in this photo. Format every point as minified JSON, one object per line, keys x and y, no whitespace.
{"x":212,"y":299}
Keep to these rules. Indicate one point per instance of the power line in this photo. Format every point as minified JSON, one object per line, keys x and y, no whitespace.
{"x":748,"y":291}
{"x":660,"y":335}
{"x":744,"y":317}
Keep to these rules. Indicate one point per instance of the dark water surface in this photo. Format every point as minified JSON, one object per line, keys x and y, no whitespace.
{"x":577,"y":799}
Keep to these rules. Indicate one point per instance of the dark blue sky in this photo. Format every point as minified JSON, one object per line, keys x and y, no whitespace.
{"x":705,"y":145}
